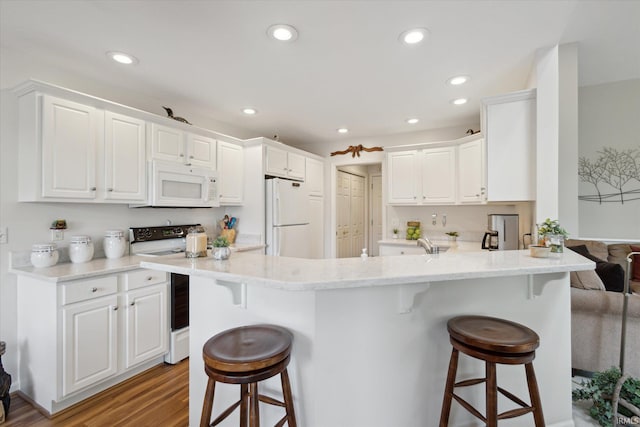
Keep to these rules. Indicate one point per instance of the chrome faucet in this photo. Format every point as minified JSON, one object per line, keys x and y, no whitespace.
{"x":426,"y":244}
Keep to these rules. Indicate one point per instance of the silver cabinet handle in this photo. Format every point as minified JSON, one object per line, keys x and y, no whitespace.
{"x":181,"y":155}
{"x":132,"y":303}
{"x":149,"y":278}
{"x":92,"y":189}
{"x":115,"y":308}
{"x":191,"y":157}
{"x":94,"y":289}
{"x":109,"y":189}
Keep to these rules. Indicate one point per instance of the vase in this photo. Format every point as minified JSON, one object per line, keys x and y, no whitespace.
{"x":555,"y":242}
{"x":221,"y":253}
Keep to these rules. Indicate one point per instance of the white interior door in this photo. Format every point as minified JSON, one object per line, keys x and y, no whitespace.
{"x":356,"y":215}
{"x":343,"y":201}
{"x":375,"y":214}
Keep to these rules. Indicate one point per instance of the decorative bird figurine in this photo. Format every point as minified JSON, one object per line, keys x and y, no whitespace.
{"x":170,"y":114}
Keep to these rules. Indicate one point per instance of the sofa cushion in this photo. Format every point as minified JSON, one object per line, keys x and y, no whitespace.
{"x":588,"y":279}
{"x":618,"y":254}
{"x":611,"y":274}
{"x":597,"y":249}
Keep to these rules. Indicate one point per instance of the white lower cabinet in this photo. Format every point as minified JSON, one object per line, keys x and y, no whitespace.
{"x":80,"y":337}
{"x":146,"y":324}
{"x":90,"y":336}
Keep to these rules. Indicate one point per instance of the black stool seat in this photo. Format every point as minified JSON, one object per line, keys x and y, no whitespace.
{"x":495,"y":341}
{"x":245,"y":356}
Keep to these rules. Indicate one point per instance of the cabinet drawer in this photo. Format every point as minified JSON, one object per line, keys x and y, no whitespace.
{"x":141,"y":278}
{"x":83,"y":290}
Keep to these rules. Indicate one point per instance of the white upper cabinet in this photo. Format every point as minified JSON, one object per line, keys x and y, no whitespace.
{"x":471,"y":172}
{"x":284,"y":164}
{"x":314,"y":177}
{"x":71,"y":152}
{"x":176,"y":145}
{"x":438,"y":172}
{"x":451,"y":173}
{"x":69,"y":145}
{"x":230,"y":173}
{"x":509,"y":127}
{"x":124,"y":158}
{"x":403,"y":177}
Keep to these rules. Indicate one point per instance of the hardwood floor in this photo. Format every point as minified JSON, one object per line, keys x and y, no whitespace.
{"x":158,"y":397}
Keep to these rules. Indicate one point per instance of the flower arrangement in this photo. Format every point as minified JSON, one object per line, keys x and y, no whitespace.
{"x":551,"y":227}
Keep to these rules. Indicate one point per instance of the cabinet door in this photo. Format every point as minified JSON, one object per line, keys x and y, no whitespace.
{"x":125,"y":158}
{"x":201,"y":151}
{"x":230,"y":173}
{"x":438,"y":168}
{"x":68,"y":149}
{"x":471,"y":172}
{"x":402,"y":179}
{"x":295,"y":166}
{"x":89,"y":336}
{"x":167,"y":143}
{"x":314,"y":179}
{"x":276,"y":162}
{"x":509,"y":127}
{"x":146,"y":325}
{"x":316,"y":227}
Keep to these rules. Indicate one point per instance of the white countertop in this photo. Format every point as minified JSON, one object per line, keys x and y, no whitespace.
{"x":457,"y":246}
{"x":295,"y":274}
{"x":64,"y":272}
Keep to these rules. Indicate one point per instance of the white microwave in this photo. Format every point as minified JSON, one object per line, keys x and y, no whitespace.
{"x":179,"y":185}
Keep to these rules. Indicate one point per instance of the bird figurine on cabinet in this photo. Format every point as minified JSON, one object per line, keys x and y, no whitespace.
{"x":170,"y":114}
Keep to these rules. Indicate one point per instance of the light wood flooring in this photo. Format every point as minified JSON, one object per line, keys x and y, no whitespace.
{"x":158,"y":397}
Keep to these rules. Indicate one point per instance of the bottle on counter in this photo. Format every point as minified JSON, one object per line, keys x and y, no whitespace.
{"x":196,"y":245}
{"x":80,"y":249}
{"x":364,"y":254}
{"x":44,"y":255}
{"x":114,"y":243}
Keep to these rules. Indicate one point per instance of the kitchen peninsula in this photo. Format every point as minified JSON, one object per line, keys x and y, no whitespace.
{"x":371,"y":346}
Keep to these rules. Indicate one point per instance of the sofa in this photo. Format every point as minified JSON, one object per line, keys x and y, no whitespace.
{"x":596,"y":313}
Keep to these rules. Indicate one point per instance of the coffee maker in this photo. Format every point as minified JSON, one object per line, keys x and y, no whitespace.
{"x":502,"y":233}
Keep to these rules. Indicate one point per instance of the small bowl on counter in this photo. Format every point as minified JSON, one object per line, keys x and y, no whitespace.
{"x":538,"y":251}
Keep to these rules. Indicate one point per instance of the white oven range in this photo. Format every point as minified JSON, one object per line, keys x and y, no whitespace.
{"x":168,"y":240}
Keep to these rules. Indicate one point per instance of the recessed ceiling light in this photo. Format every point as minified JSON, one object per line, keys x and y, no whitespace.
{"x":249,"y":111}
{"x":123,"y":58}
{"x":459,"y":101}
{"x":414,"y":36}
{"x":412,"y":121}
{"x":283,"y":32}
{"x":343,"y":130}
{"x":458,"y":80}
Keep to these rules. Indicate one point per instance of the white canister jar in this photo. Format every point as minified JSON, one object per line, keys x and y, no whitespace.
{"x":44,"y":255}
{"x":114,"y":243}
{"x":80,"y":249}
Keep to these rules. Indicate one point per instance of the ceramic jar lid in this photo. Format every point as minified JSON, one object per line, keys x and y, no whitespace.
{"x":81,"y":239}
{"x":43,"y":247}
{"x":114,"y":233}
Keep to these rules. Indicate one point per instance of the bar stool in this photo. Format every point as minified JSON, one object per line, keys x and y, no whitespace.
{"x":494,"y":341}
{"x":245,"y":356}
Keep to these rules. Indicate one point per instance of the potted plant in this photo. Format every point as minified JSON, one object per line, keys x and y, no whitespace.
{"x":395,"y":233}
{"x":551,"y":234}
{"x":452,"y":236}
{"x":221,"y":248}
{"x":615,"y":397}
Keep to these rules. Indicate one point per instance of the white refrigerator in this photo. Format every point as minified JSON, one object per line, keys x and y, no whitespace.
{"x":287,"y":218}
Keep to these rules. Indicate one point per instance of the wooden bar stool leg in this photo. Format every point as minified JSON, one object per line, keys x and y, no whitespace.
{"x":492,"y":395}
{"x":244,"y":406}
{"x":207,"y":406}
{"x":534,"y":394}
{"x":288,"y":399}
{"x":448,"y":389}
{"x":254,"y":410}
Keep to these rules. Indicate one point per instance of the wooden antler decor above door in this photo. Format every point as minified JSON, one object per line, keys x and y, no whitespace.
{"x":356,"y":149}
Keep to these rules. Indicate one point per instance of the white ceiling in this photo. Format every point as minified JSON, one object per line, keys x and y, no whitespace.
{"x":347,"y":67}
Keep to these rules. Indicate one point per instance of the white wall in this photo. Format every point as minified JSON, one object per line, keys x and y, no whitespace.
{"x":609,"y":116}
